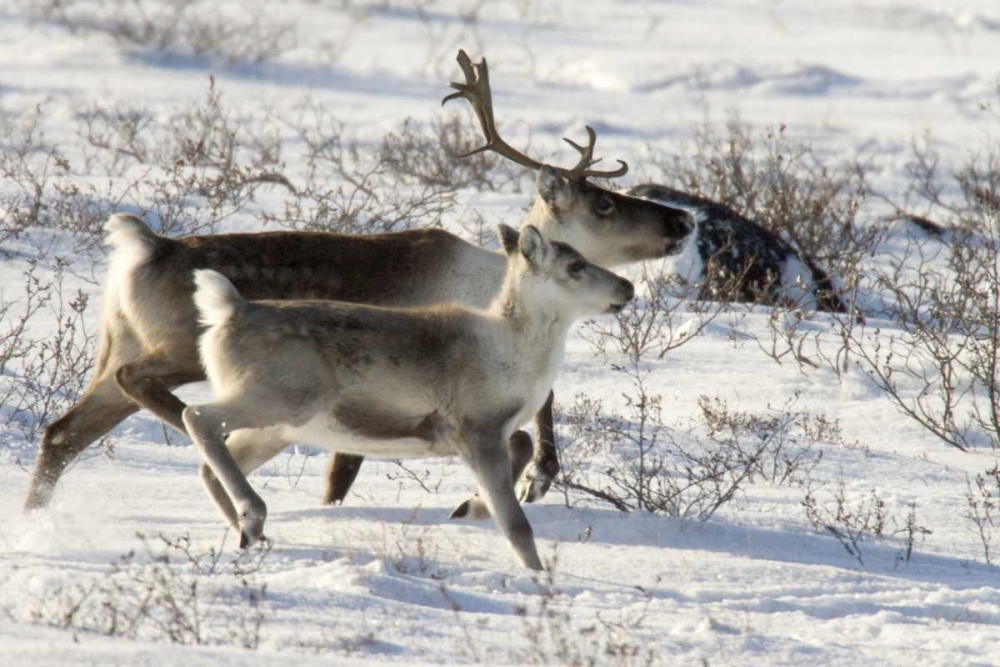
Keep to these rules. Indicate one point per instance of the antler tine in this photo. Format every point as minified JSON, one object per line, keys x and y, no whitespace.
{"x":468,"y":91}
{"x":476,"y":90}
{"x":582,"y":169}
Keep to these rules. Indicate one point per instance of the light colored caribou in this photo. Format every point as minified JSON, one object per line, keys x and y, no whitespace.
{"x":149,"y":327}
{"x":435,"y":381}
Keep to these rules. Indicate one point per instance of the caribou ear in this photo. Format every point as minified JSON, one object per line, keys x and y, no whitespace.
{"x":533,"y":245}
{"x":508,"y":238}
{"x":549,"y":185}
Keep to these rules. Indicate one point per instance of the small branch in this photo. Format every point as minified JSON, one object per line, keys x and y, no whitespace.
{"x":606,"y":497}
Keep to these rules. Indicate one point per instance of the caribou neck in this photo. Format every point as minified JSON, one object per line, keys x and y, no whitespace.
{"x":514,"y":305}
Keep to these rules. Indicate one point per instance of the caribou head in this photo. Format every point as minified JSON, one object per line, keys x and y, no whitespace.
{"x":607,"y":227}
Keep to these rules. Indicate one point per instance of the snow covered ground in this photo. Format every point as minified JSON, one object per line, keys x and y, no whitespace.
{"x":387,"y":578}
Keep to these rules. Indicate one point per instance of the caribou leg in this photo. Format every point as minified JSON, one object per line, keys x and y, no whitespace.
{"x":149,"y":380}
{"x":208,"y":424}
{"x":520,"y":448}
{"x":340,"y":477}
{"x":102,"y":408}
{"x":544,"y":467}
{"x":491,"y":465}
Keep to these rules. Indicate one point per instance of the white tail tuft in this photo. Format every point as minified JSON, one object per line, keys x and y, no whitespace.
{"x":128,"y":233}
{"x":215,"y":297}
{"x":134,"y":243}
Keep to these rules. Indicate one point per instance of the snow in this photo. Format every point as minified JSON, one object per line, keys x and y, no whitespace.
{"x":387,"y":578}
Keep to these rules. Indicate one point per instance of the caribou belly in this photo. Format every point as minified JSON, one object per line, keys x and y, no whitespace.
{"x":324,"y":430}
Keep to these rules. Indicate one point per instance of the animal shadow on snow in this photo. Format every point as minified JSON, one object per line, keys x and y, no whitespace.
{"x":553,"y":522}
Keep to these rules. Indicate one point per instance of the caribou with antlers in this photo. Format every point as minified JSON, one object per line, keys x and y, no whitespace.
{"x":149,"y":326}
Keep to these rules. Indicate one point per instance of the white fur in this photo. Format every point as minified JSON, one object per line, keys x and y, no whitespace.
{"x":797,"y":284}
{"x":133,"y":244}
{"x":688,"y":262}
{"x":325,"y":431}
{"x":526,"y":360}
{"x":216,"y":300}
{"x":215,"y":297}
{"x":126,"y":231}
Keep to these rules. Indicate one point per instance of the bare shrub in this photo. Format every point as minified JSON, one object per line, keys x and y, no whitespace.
{"x":636,"y":473}
{"x":477,"y":229}
{"x":296,"y":460}
{"x":331,"y":641}
{"x":650,"y":325}
{"x":179,"y":27}
{"x":346,"y":191}
{"x":409,"y":548}
{"x":37,"y":191}
{"x":853,"y":522}
{"x":190,"y":172}
{"x":199,"y":166}
{"x":776,"y":447}
{"x":812,"y":343}
{"x":632,"y":460}
{"x":982,"y":507}
{"x":49,"y":366}
{"x":15,"y":343}
{"x":203,"y":135}
{"x":553,"y":637}
{"x":421,"y":478}
{"x":443,"y":34}
{"x":413,"y":552}
{"x":942,"y":367}
{"x":785,"y":186}
{"x":120,"y":136}
{"x":968,"y":196}
{"x":796,"y":193}
{"x":167,"y":592}
{"x":430,"y":155}
{"x":552,"y":634}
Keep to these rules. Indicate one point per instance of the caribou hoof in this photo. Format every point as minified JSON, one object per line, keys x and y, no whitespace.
{"x":248,"y":538}
{"x":537,"y":478}
{"x":532,"y":489}
{"x":473,"y":509}
{"x":252,"y":528}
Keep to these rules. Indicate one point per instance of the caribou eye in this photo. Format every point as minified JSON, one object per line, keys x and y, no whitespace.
{"x":577,"y":267}
{"x":605,"y":206}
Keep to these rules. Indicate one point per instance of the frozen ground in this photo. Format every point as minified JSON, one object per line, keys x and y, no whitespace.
{"x":387,"y":578}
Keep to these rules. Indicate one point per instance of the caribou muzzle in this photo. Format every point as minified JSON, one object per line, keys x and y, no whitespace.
{"x":626,"y":291}
{"x":677,"y":224}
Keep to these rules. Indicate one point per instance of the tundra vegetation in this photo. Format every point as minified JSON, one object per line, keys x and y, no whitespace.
{"x":917,"y":268}
{"x":193,"y":169}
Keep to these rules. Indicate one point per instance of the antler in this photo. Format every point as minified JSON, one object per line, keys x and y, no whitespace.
{"x":476,"y":89}
{"x":582,"y":170}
